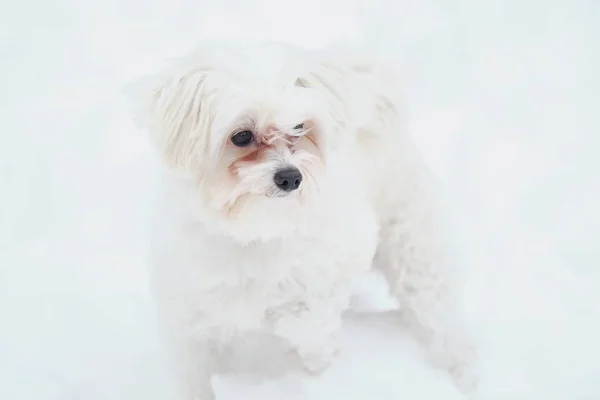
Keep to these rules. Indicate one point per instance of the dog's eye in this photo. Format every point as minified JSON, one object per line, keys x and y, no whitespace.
{"x":242,"y":139}
{"x":299,"y":127}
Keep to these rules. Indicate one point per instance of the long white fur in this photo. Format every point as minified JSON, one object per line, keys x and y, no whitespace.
{"x":230,"y":262}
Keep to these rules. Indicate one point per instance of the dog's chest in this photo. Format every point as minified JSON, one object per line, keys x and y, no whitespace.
{"x":234,"y":288}
{"x":265,"y":275}
{"x":243,"y":287}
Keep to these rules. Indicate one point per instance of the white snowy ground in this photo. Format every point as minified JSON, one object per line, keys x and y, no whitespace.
{"x":503,"y":97}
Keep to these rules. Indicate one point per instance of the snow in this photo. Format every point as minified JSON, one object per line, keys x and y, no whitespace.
{"x":502,"y":96}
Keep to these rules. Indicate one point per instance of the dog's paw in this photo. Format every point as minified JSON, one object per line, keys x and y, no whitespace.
{"x":465,"y":379}
{"x":315,"y":365}
{"x":459,"y":359}
{"x":317,"y":362}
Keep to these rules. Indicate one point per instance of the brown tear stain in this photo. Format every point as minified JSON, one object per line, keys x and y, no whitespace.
{"x":252,"y":157}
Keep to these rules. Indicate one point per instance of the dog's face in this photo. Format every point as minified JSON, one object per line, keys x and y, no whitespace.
{"x":264,"y":147}
{"x":252,"y":130}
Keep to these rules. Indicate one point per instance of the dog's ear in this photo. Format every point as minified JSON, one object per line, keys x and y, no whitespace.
{"x":172,"y":107}
{"x":361,"y":90}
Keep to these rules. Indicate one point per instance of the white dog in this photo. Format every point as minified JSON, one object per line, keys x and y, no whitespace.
{"x":288,"y":175}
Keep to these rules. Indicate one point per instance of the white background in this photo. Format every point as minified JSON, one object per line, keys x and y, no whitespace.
{"x":502,"y":97}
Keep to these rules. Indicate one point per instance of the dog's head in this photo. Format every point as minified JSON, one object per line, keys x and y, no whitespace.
{"x":252,"y":128}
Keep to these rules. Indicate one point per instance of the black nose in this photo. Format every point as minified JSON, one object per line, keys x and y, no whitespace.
{"x":288,"y":179}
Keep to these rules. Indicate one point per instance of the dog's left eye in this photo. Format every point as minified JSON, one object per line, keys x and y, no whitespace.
{"x":299,"y":127}
{"x":242,"y":139}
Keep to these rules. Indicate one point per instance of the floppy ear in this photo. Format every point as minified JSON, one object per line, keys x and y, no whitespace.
{"x":362,"y":91}
{"x":172,"y":106}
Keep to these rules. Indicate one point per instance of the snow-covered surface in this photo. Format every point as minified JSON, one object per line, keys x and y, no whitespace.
{"x":503,"y":97}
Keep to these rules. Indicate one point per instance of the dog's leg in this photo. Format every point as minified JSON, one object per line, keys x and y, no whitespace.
{"x":412,"y":260}
{"x":311,"y":328}
{"x":194,"y":367}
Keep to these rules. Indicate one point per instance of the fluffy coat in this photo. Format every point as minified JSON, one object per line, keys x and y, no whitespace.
{"x":234,"y":257}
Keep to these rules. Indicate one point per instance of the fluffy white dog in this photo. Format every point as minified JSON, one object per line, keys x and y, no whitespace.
{"x":288,"y":174}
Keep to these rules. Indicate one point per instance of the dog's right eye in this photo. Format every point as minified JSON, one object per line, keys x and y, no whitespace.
{"x":242,"y":139}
